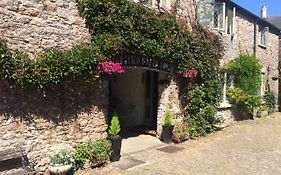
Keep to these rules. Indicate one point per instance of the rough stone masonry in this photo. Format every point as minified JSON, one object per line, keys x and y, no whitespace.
{"x":41,"y":121}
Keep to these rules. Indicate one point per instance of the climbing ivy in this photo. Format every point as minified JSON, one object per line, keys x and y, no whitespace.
{"x":49,"y":68}
{"x":121,"y":27}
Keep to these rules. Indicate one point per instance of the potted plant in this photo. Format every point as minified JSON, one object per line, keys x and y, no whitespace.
{"x":167,"y":128}
{"x":91,"y":154}
{"x":101,"y":151}
{"x":180,"y":132}
{"x":60,"y":162}
{"x":114,"y":137}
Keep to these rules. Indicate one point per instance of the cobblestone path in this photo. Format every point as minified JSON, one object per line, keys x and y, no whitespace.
{"x":245,"y":148}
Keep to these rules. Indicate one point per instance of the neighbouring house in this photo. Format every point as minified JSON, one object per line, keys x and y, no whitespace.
{"x":243,"y":32}
{"x":39,"y":122}
{"x":275,"y":20}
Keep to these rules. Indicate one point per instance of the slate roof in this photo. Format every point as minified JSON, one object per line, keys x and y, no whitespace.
{"x":275,"y":20}
{"x":260,"y":20}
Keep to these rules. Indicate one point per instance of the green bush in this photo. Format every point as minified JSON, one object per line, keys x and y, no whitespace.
{"x":127,"y":28}
{"x":247,"y":83}
{"x":201,"y":123}
{"x":114,"y":128}
{"x":168,"y":118}
{"x":94,"y":151}
{"x":247,"y":73}
{"x":270,"y":101}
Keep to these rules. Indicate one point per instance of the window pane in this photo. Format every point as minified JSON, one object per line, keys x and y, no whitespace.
{"x":218,"y":16}
{"x":146,"y":2}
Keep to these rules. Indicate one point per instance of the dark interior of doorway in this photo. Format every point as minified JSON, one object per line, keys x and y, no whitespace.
{"x":149,"y":125}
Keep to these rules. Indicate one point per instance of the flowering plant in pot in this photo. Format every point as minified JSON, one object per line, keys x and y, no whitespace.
{"x":101,"y":151}
{"x":115,"y":138}
{"x":60,"y":161}
{"x":180,"y":132}
{"x":167,"y":128}
{"x":91,"y":154}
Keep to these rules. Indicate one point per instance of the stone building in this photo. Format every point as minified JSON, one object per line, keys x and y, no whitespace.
{"x":244,"y":32}
{"x":41,"y":122}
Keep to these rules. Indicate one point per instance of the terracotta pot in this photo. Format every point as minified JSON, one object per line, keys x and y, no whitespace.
{"x":59,"y":169}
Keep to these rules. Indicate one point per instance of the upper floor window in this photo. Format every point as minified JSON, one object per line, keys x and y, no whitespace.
{"x":149,"y":3}
{"x":263,"y":35}
{"x":224,"y":18}
{"x":219,"y":16}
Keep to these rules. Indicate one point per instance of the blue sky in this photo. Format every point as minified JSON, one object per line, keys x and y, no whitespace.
{"x":254,"y":6}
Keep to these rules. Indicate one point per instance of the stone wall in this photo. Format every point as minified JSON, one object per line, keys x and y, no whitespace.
{"x":244,"y":42}
{"x":62,"y":116}
{"x":34,"y":25}
{"x":168,"y":99}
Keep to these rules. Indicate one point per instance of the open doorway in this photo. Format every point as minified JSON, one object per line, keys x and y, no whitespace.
{"x":134,"y":97}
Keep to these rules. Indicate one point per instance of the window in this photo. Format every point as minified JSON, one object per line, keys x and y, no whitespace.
{"x":219,"y":16}
{"x":149,"y":3}
{"x":263,"y":34}
{"x":224,"y":18}
{"x":227,"y":82}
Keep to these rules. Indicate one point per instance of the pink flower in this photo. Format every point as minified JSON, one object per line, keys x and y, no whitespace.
{"x":109,"y":67}
{"x":190,"y":73}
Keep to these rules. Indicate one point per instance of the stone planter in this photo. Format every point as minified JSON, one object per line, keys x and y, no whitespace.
{"x":59,"y":169}
{"x":167,"y":132}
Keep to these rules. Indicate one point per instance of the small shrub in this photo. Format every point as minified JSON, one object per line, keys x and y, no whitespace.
{"x":247,"y":83}
{"x":61,"y":157}
{"x":181,"y":132}
{"x":168,"y":119}
{"x":96,"y":151}
{"x":247,"y":73}
{"x":270,"y":101}
{"x":114,"y":128}
{"x":202,"y":122}
{"x":245,"y":102}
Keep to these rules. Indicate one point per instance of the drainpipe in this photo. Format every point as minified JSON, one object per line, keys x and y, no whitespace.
{"x":255,"y":37}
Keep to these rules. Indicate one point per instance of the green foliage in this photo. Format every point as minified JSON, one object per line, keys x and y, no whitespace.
{"x":114,"y":128}
{"x":201,"y":123}
{"x":50,"y":67}
{"x":61,"y":157}
{"x":181,"y":132}
{"x":126,"y":28}
{"x":168,"y":118}
{"x":247,"y":82}
{"x":270,"y":101}
{"x":97,"y":150}
{"x":123,"y":27}
{"x":247,"y":73}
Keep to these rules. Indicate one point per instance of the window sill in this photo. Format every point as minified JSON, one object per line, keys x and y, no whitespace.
{"x":225,"y":105}
{"x":262,"y":46}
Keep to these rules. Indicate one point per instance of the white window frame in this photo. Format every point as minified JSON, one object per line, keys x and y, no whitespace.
{"x":218,"y":27}
{"x":148,"y":5}
{"x":224,"y":101}
{"x":263,"y":84}
{"x":225,"y":19}
{"x":263,"y":37}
